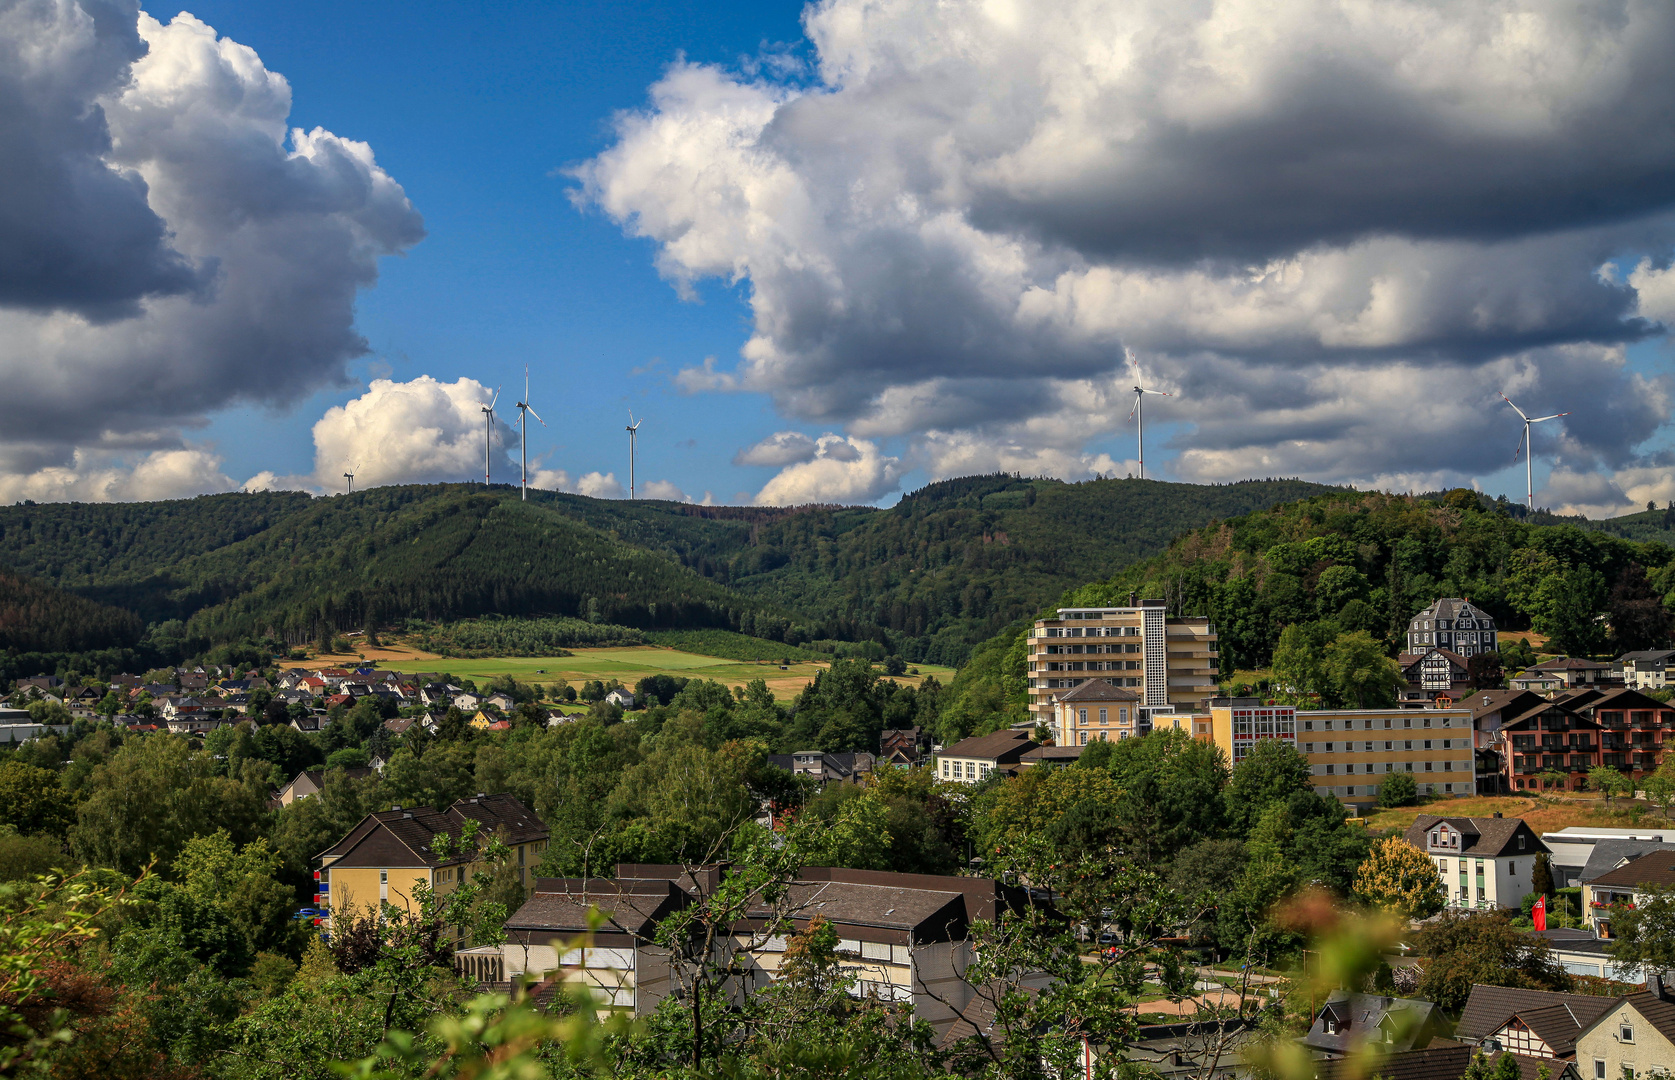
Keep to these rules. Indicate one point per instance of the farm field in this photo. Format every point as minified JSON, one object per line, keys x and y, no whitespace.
{"x":627,"y":664}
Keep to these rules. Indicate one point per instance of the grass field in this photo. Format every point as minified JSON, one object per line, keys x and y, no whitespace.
{"x":628,"y":665}
{"x":1542,"y":815}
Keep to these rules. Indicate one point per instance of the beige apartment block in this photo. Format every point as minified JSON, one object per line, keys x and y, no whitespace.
{"x":1170,"y":663}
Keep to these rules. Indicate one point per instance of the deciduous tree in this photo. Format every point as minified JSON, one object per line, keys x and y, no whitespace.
{"x":1398,"y":877}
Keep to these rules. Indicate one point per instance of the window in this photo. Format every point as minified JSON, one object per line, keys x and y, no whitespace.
{"x":1388,"y":745}
{"x":383,"y":877}
{"x":1329,"y":770}
{"x":1520,"y":843}
{"x":1104,"y":716}
{"x":1328,"y":748}
{"x":1625,"y":1032}
{"x":1599,"y":1069}
{"x":1308,"y":748}
{"x":1081,"y":716}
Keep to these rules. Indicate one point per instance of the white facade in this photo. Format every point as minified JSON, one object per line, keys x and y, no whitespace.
{"x":1481,"y":881}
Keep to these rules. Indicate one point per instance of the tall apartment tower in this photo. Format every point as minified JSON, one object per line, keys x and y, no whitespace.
{"x":1169,"y":663}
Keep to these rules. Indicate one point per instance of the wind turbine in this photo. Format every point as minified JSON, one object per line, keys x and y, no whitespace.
{"x":1525,"y":448}
{"x":350,"y":476}
{"x":1136,"y":415}
{"x":524,"y":413}
{"x":633,"y":431}
{"x":488,"y":428}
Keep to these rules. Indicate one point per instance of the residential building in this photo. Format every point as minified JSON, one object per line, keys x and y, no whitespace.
{"x":1350,"y":750}
{"x":312,"y":781}
{"x":621,"y":698}
{"x":1581,"y":953}
{"x":1454,"y":624}
{"x":1484,"y":862}
{"x":1347,"y":1021}
{"x":1569,"y":671}
{"x":903,"y":936}
{"x":1625,"y":884}
{"x":381,"y":859}
{"x":1532,"y":1023}
{"x":1434,"y":676}
{"x":907,"y":742}
{"x":1579,"y":729}
{"x":1633,"y":1038}
{"x":1171,"y":662}
{"x":1488,"y":710}
{"x":1097,"y":710}
{"x":1190,"y":1050}
{"x":196,"y":723}
{"x":824,"y":768}
{"x":973,"y":759}
{"x":1580,"y":848}
{"x":1645,"y":670}
{"x":1443,"y":1061}
{"x":1536,"y":681}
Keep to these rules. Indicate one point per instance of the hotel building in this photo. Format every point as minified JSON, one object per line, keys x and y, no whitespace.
{"x":1350,"y":751}
{"x":1170,"y":664}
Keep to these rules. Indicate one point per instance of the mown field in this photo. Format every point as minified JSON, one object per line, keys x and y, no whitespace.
{"x":629,"y":665}
{"x":1543,"y":815}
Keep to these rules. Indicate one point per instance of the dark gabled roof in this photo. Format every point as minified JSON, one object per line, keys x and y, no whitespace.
{"x":1653,"y":655}
{"x":1658,"y":1011}
{"x":1053,"y":753}
{"x":994,"y":746}
{"x":1445,"y":1062}
{"x":1360,"y":1016}
{"x":1626,"y":698}
{"x":1653,"y":868}
{"x":1407,"y":659}
{"x":1579,"y":697}
{"x":1451,"y":607}
{"x":1098,"y":690}
{"x":1567,"y":663}
{"x":1491,"y":1006}
{"x":1487,"y":701}
{"x":891,"y":907}
{"x":1493,"y":835}
{"x":502,"y":812}
{"x":561,"y":905}
{"x":1607,"y":855}
{"x":1531,"y":714}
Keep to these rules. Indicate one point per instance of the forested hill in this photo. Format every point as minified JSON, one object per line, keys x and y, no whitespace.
{"x":946,"y":568}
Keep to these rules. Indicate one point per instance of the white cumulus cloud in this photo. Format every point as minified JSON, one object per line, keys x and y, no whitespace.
{"x":1336,"y":228}
{"x":411,"y":432}
{"x":842,"y":470}
{"x":170,"y":245}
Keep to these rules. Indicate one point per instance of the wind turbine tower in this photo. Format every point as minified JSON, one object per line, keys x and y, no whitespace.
{"x":1525,"y":448}
{"x":524,"y":413}
{"x":633,"y":432}
{"x":1136,"y":414}
{"x":488,"y":430}
{"x":350,"y":476}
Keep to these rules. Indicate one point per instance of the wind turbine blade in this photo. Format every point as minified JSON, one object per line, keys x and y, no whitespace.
{"x":494,"y":399}
{"x":1515,"y":408}
{"x":537,"y":416}
{"x":1519,"y":449}
{"x":1555,"y":416}
{"x":1132,"y":411}
{"x":1159,"y":393}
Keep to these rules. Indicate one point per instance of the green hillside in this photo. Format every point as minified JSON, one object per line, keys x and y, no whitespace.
{"x":1348,"y":562}
{"x":929,"y":578}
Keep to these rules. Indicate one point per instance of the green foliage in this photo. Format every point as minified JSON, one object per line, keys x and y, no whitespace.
{"x":33,"y":801}
{"x":1272,"y":771}
{"x":491,"y":635}
{"x":1643,"y":934}
{"x":1467,"y":948}
{"x":35,"y":617}
{"x":731,"y":646}
{"x":1398,"y":789}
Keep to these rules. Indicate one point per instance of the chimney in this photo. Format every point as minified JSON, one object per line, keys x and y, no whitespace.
{"x":1654,"y":986}
{"x":1133,"y":599}
{"x":1497,"y":813}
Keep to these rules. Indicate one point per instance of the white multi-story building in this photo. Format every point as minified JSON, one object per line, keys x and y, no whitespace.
{"x":1484,"y":862}
{"x":1171,"y":664}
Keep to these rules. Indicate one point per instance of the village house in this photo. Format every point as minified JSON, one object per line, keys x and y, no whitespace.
{"x":1484,"y":862}
{"x":973,"y":759}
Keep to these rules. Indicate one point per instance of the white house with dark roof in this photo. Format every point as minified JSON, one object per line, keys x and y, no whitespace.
{"x":972,"y":760}
{"x":1484,"y":862}
{"x":1647,"y":669}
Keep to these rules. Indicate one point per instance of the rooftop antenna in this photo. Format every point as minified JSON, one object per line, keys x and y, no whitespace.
{"x":1525,"y":448}
{"x":488,"y":428}
{"x":350,"y":476}
{"x":1137,"y":416}
{"x":633,"y":431}
{"x":524,"y":413}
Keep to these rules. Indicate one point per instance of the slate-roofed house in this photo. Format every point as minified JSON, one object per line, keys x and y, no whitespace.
{"x":1346,"y":1021}
{"x":1442,"y":1061}
{"x":1484,"y":862}
{"x":1454,"y":624}
{"x":1534,"y":1023}
{"x":1567,"y":671}
{"x":847,"y":767}
{"x":973,"y":759}
{"x":1647,"y":669}
{"x":384,"y":856}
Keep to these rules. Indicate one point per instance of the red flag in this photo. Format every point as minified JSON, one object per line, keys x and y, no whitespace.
{"x":1539,"y":913}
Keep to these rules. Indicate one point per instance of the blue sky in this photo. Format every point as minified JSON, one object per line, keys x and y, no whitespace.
{"x":475,"y":110}
{"x":831,"y":254}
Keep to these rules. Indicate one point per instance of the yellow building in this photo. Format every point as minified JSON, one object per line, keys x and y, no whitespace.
{"x":1350,"y":751}
{"x":1171,"y":664}
{"x":1096,"y":711}
{"x":384,"y":857}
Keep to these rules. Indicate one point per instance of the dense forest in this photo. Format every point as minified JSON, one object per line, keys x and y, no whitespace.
{"x":1291,"y":580}
{"x":927,"y":579}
